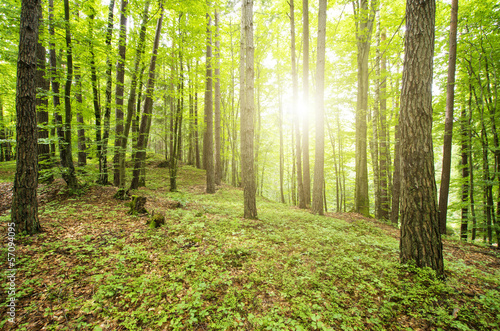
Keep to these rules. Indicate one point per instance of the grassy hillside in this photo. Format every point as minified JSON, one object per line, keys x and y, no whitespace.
{"x":97,"y":268}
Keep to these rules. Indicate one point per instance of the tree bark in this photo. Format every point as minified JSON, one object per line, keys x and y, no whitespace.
{"x":465,"y":174}
{"x":298,"y":146}
{"x":383,"y":138}
{"x":208,"y":148}
{"x":420,"y":237}
{"x":82,"y":153}
{"x":364,"y":27}
{"x":217,"y":115}
{"x":396,"y":181}
{"x":24,"y":211}
{"x":103,"y":159}
{"x":66,"y":153}
{"x":148,"y":108}
{"x":119,"y":152}
{"x":319,"y":160}
{"x":448,"y":126}
{"x":43,"y":86}
{"x":306,"y":177}
{"x":247,"y":118}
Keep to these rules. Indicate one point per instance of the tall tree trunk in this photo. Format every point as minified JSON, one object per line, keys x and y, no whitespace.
{"x":43,"y":86}
{"x":191,"y":115}
{"x":2,"y":133}
{"x":448,"y":126}
{"x":396,"y":181}
{"x":82,"y":153}
{"x":492,"y":107}
{"x":177,"y":117}
{"x":319,"y":159}
{"x":196,"y":136}
{"x":132,"y":106}
{"x":119,"y":152}
{"x":247,"y":118}
{"x":103,"y":159}
{"x":217,"y":115}
{"x":306,"y":178}
{"x":364,"y":27}
{"x":465,"y":174}
{"x":62,"y":133}
{"x":95,"y":94}
{"x":420,"y":237}
{"x":66,"y":154}
{"x":148,"y":109}
{"x":298,"y":147}
{"x":471,"y":166}
{"x":385,"y":154}
{"x":280,"y":129}
{"x":208,"y":139}
{"x":24,"y":211}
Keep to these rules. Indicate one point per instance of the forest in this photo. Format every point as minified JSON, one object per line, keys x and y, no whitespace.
{"x":250,"y":165}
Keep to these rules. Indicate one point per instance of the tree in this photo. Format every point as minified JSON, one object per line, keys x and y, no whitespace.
{"x":298,"y":148}
{"x":420,"y":238}
{"x":148,"y":108}
{"x":103,"y":157}
{"x":43,"y":86}
{"x":208,"y":139}
{"x":24,"y":211}
{"x":63,"y":130}
{"x":319,"y":163}
{"x":247,"y":117}
{"x":364,"y":26}
{"x":217,"y":111}
{"x":448,"y":128}
{"x":306,"y":177}
{"x":119,"y":156}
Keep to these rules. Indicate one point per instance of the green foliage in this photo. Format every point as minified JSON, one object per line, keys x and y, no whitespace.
{"x":208,"y":268}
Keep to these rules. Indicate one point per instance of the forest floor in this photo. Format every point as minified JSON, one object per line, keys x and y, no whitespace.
{"x":94,"y":267}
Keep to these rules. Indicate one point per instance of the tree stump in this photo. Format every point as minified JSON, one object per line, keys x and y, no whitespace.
{"x":156,"y":221}
{"x":137,"y":205}
{"x":121,"y":194}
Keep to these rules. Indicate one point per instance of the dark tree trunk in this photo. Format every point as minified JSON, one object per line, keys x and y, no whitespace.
{"x":420,"y":237}
{"x":119,"y":152}
{"x":82,"y":153}
{"x":247,"y":118}
{"x":62,"y":131}
{"x":319,"y":160}
{"x":148,"y":108}
{"x":103,"y":160}
{"x":196,"y":130}
{"x":66,"y":150}
{"x":448,"y":126}
{"x":465,"y":175}
{"x":95,"y":95}
{"x":132,"y":107}
{"x":24,"y":211}
{"x":43,"y":86}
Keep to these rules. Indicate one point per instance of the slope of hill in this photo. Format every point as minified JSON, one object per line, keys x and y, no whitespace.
{"x":96,"y":268}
